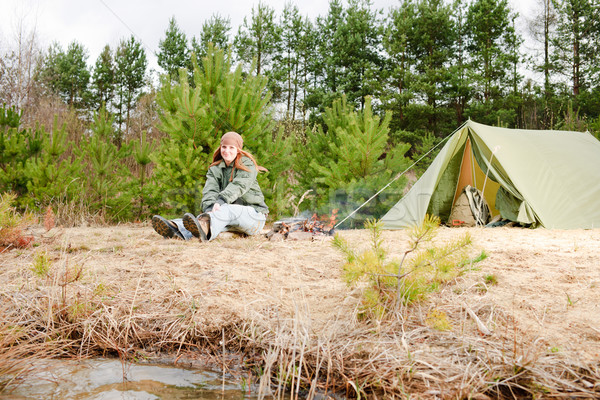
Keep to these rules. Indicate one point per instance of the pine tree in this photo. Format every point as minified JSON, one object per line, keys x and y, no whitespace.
{"x":183,"y":158}
{"x":174,"y":52}
{"x":141,"y":191}
{"x":460,"y":92}
{"x":106,"y":173}
{"x":55,"y":176}
{"x":257,"y":44}
{"x":360,"y":36}
{"x":573,"y":42}
{"x":327,"y":65}
{"x":131,"y":66}
{"x":491,"y":39}
{"x":400,"y":63}
{"x":541,"y":28}
{"x":351,"y":161}
{"x":17,"y":146}
{"x":287,"y":66}
{"x":215,"y":31}
{"x":66,"y":73}
{"x":103,"y":79}
{"x":306,"y":55}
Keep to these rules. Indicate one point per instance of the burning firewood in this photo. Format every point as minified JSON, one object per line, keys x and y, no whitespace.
{"x":303,"y":228}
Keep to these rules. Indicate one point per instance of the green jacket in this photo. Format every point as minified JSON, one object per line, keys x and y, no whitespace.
{"x":243,"y":189}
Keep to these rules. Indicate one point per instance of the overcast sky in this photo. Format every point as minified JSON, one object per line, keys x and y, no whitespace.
{"x":96,"y":23}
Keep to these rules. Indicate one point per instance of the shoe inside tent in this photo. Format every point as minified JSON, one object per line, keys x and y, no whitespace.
{"x":533,"y":177}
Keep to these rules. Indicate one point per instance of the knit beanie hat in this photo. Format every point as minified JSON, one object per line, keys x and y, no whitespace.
{"x":232,"y":139}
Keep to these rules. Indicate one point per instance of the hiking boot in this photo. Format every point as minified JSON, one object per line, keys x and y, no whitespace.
{"x":191,"y":224}
{"x":165,"y":228}
{"x":204,"y":222}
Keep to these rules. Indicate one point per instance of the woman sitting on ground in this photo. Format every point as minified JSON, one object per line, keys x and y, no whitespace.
{"x":231,"y":198}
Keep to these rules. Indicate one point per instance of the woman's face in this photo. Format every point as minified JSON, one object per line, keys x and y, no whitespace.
{"x":228,"y":152}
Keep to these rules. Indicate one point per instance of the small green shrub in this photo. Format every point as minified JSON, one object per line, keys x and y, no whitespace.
{"x":490,"y":279}
{"x":438,"y":320}
{"x":41,"y":265}
{"x":424,"y":267}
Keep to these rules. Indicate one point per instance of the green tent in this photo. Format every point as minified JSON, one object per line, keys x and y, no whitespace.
{"x":544,"y":178}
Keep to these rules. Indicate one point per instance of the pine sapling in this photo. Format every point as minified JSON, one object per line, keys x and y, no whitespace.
{"x":424,"y":267}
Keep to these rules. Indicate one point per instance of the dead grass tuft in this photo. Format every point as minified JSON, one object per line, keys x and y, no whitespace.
{"x":77,"y":213}
{"x":23,"y":341}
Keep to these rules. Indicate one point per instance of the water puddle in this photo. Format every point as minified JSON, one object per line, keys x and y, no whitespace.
{"x":102,"y":379}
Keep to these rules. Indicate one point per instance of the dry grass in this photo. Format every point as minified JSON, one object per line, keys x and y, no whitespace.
{"x":283,"y":310}
{"x":24,"y":342}
{"x":404,"y":358}
{"x":76,"y":213}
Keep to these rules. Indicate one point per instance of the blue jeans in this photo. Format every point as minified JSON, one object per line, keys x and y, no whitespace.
{"x":231,"y":218}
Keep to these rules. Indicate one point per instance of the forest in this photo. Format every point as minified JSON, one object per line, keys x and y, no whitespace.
{"x":335,"y":107}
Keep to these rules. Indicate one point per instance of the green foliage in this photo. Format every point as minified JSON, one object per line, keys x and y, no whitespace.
{"x":131,"y":63}
{"x":574,"y":47}
{"x":106,"y":173}
{"x":173,"y":50}
{"x":493,"y":46}
{"x":141,"y":191}
{"x":215,"y":31}
{"x":594,"y":127}
{"x":41,"y":265}
{"x":66,"y":73}
{"x":348,"y":57}
{"x":258,"y":39}
{"x":571,"y":120}
{"x":289,"y":64}
{"x":103,"y":79}
{"x":17,"y":147}
{"x":421,"y":145}
{"x":10,"y":117}
{"x":431,"y":42}
{"x":46,"y":169}
{"x":54,"y":175}
{"x":351,"y":161}
{"x":424,"y":268}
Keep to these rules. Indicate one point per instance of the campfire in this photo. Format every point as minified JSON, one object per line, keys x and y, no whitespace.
{"x":303,"y":228}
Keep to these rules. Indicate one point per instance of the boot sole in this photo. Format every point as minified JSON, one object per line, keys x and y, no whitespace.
{"x":163,"y":228}
{"x":191,"y":224}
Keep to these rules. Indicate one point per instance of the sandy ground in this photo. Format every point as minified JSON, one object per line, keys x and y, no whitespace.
{"x":547,"y":280}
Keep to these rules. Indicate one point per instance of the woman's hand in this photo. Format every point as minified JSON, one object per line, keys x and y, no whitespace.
{"x":216,"y":207}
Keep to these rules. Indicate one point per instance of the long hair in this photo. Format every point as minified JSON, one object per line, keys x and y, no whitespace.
{"x":237,"y":163}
